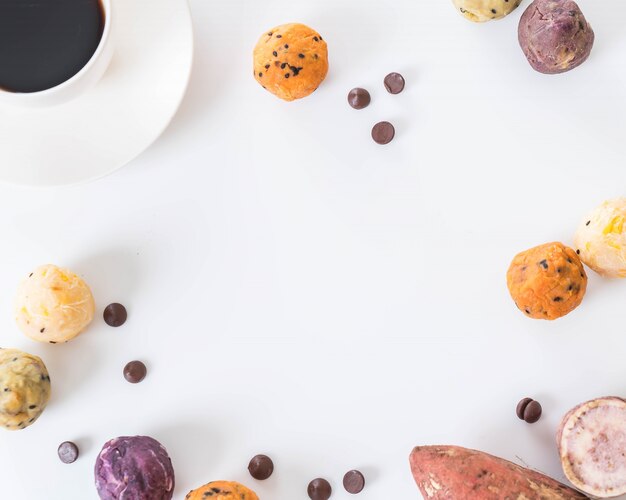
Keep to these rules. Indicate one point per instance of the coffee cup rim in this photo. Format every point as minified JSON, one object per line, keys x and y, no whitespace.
{"x":106,"y":6}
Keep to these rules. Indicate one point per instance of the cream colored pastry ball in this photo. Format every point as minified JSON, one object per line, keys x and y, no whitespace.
{"x":53,"y":305}
{"x":601,"y":239}
{"x":481,"y":11}
{"x":24,"y":389}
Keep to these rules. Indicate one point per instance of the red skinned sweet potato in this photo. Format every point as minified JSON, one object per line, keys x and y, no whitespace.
{"x":592,"y":445}
{"x":455,"y":473}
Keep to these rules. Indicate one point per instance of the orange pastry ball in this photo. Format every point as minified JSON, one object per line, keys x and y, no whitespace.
{"x":222,"y":490}
{"x":291,"y":61}
{"x":547,"y":282}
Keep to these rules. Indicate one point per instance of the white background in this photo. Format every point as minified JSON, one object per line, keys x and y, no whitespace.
{"x":297,"y":290}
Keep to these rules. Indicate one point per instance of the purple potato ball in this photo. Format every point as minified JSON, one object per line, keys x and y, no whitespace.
{"x":134,"y":468}
{"x":555,"y":36}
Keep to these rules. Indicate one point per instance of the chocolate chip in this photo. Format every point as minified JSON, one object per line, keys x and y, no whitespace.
{"x":319,"y":489}
{"x":115,"y":315}
{"x":135,"y":372}
{"x":383,"y":133}
{"x":353,"y":482}
{"x":261,"y":467}
{"x":528,"y":410}
{"x":68,"y":452}
{"x":359,"y":98}
{"x":394,"y":83}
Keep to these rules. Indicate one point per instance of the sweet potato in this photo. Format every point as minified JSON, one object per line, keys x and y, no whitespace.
{"x":592,"y":445}
{"x":452,"y":472}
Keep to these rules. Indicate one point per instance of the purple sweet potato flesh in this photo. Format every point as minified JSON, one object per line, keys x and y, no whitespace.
{"x":555,"y":36}
{"x":454,"y":473}
{"x":592,"y":446}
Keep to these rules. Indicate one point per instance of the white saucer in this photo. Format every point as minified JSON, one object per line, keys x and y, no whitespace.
{"x":112,"y":123}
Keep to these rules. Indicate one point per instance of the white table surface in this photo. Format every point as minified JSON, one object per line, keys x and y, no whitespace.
{"x":297,"y":290}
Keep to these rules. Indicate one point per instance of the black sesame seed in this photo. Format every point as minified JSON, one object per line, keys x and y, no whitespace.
{"x":570,"y":288}
{"x":588,"y":222}
{"x":527,"y":311}
{"x":30,"y":275}
{"x":267,"y":66}
{"x":52,"y":342}
{"x":286,"y":46}
{"x":578,"y":252}
{"x":42,"y":330}
{"x":14,"y":359}
{"x":270,"y":33}
{"x":286,"y":75}
{"x":494,"y":11}
{"x":301,"y":56}
{"x":557,"y":299}
{"x":279,"y":36}
{"x":260,"y":74}
{"x":544,"y":264}
{"x":316,"y":39}
{"x":32,"y":407}
{"x":283,"y":65}
{"x":275,"y":54}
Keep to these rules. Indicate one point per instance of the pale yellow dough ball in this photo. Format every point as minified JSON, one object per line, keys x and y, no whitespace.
{"x":53,"y":305}
{"x":480,"y":11}
{"x":601,"y":239}
{"x":24,"y":389}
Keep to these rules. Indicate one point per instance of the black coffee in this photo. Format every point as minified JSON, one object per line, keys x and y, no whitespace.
{"x":45,"y":42}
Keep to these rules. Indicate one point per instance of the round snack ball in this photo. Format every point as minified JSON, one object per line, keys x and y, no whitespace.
{"x":53,"y":305}
{"x":555,"y":36}
{"x":222,"y":490}
{"x":481,"y":11}
{"x":547,"y":282}
{"x":135,"y":467}
{"x":24,"y":389}
{"x":601,"y":239}
{"x":291,"y":61}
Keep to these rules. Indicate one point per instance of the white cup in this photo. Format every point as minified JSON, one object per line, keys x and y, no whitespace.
{"x":81,"y":81}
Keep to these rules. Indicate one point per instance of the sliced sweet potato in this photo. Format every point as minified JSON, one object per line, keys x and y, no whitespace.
{"x":592,"y":444}
{"x":452,"y":472}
